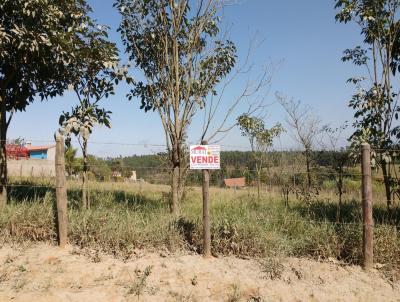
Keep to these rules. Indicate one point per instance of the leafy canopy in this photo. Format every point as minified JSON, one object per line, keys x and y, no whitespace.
{"x":171,"y":46}
{"x":95,"y":77}
{"x":260,"y":137}
{"x":40,"y":44}
{"x":375,"y":102}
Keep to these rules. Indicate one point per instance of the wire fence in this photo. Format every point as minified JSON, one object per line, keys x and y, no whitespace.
{"x":284,"y":174}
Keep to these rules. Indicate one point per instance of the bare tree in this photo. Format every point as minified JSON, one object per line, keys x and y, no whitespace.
{"x":338,"y":158}
{"x":305,"y":129}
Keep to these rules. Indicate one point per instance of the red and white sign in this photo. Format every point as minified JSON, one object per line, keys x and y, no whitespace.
{"x":204,"y":157}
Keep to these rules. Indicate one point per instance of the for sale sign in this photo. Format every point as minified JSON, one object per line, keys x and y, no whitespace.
{"x":204,"y":157}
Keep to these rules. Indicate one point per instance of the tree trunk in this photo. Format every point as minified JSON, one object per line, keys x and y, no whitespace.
{"x":177,"y":180}
{"x":258,"y":184}
{"x":3,"y":154}
{"x":386,"y":180}
{"x":308,"y":163}
{"x":85,"y":197}
{"x":175,"y":190}
{"x":340,"y":193}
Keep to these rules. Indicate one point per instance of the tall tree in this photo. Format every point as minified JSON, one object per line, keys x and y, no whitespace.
{"x":261,"y":140}
{"x":94,"y":79}
{"x":39,"y":40}
{"x":182,"y":61}
{"x":376,"y":101}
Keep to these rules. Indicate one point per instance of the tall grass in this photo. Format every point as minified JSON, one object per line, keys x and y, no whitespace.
{"x":128,"y":217}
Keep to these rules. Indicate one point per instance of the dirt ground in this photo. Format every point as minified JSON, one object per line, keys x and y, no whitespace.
{"x":47,"y":273}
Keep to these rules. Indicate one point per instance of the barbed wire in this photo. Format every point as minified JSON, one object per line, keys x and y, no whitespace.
{"x":222,"y":170}
{"x":246,"y":148}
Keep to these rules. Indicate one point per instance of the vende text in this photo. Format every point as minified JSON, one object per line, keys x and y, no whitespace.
{"x":198,"y":159}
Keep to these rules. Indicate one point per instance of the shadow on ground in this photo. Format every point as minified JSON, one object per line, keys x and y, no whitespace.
{"x":351,"y":212}
{"x":29,"y":192}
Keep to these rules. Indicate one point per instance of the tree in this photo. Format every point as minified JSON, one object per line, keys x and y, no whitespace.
{"x":72,"y":165}
{"x":80,"y":122}
{"x":261,"y":140}
{"x":182,"y":62}
{"x":376,"y":100}
{"x":305,"y":128}
{"x":337,"y":161}
{"x":96,"y":75}
{"x":39,"y":41}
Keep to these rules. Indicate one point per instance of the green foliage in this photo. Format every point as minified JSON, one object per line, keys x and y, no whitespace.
{"x":376,"y":100}
{"x":40,"y":43}
{"x":254,"y":129}
{"x":72,"y":164}
{"x":172,"y":46}
{"x":99,"y":168}
{"x":95,"y":77}
{"x":182,"y":61}
{"x":376,"y":105}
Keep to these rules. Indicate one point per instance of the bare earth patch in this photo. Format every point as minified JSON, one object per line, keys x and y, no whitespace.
{"x":46,"y":273}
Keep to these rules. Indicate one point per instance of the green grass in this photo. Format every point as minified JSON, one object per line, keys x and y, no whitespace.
{"x":124,"y":217}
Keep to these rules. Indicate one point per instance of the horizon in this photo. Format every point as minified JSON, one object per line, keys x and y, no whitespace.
{"x":306,"y":58}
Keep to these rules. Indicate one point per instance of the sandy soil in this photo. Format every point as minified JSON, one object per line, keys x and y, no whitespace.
{"x":47,"y":273}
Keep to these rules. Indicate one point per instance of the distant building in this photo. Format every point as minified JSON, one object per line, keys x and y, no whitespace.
{"x":38,"y":161}
{"x":41,"y":152}
{"x":133,"y":176}
{"x":116,"y":174}
{"x":239,"y":182}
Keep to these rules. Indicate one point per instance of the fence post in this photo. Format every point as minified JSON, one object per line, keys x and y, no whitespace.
{"x":368,"y":232}
{"x":61,"y":193}
{"x":206,"y":211}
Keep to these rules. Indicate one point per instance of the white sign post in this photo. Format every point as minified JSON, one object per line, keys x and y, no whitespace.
{"x":205,"y":157}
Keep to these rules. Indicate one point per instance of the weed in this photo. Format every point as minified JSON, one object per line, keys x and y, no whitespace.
{"x":139,"y":285}
{"x":240,"y":226}
{"x":236,"y":294}
{"x":272,"y":268}
{"x":9,"y":259}
{"x":20,"y":284}
{"x":4,"y":275}
{"x":194,"y":281}
{"x":181,"y":297}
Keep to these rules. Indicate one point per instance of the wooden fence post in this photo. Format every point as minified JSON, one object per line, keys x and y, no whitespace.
{"x":368,"y":231}
{"x":206,"y":212}
{"x":61,"y":193}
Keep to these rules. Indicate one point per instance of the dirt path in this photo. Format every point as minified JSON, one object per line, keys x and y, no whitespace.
{"x":47,"y":273}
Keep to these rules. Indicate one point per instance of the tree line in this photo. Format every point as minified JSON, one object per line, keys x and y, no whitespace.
{"x":185,"y":64}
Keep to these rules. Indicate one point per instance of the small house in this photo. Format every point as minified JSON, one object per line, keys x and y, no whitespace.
{"x":239,"y":182}
{"x":41,"y":152}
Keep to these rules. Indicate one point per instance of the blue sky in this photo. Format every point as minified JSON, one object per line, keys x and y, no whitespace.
{"x":302,"y":35}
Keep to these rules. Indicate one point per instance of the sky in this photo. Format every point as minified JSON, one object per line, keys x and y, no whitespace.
{"x":301,"y":42}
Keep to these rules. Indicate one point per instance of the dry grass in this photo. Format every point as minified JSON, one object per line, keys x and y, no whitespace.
{"x":127,"y":217}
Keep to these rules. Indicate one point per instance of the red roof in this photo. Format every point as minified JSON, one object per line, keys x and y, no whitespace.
{"x":199,"y":148}
{"x":38,"y":148}
{"x":235,"y":182}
